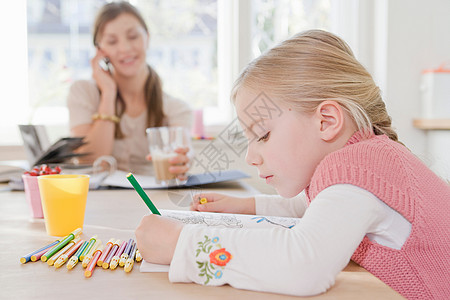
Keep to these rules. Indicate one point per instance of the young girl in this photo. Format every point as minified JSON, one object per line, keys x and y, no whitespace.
{"x":326,"y":144}
{"x":125,"y":97}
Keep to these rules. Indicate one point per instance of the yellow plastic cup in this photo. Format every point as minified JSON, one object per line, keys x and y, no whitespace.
{"x":63,"y":202}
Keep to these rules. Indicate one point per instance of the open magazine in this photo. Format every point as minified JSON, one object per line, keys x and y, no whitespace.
{"x":118,"y":179}
{"x":220,"y":220}
{"x":39,"y":151}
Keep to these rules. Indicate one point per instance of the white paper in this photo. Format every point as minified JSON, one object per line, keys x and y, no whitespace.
{"x":154,"y":268}
{"x":220,"y":220}
{"x":229,"y":220}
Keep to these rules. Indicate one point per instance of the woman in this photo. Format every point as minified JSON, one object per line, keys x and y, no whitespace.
{"x":125,"y":96}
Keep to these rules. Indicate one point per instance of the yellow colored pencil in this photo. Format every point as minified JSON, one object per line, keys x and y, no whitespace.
{"x":88,"y":257}
{"x":71,"y":251}
{"x":53,"y":259}
{"x":88,"y":248}
{"x":138,"y":256}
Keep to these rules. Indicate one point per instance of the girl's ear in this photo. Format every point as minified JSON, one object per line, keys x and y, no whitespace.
{"x":332,"y":118}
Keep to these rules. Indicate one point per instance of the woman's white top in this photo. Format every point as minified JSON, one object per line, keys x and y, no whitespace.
{"x":130,"y":152}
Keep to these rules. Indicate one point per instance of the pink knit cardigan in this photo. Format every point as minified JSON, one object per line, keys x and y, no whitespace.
{"x":387,"y":169}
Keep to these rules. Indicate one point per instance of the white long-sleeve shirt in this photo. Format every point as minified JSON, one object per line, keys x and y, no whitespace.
{"x":303,"y":260}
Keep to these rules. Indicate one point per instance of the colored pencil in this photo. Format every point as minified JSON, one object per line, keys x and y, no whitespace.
{"x":75,"y":258}
{"x":130,"y":261}
{"x":28,"y":257}
{"x":88,"y":257}
{"x":93,"y":263}
{"x":143,"y":195}
{"x":61,"y":244}
{"x":38,"y":256}
{"x":53,"y":259}
{"x":86,"y":250}
{"x":105,"y":252}
{"x":138,"y":256}
{"x":115,"y":260}
{"x":126,"y":252}
{"x":63,"y":258}
{"x":110,"y":255}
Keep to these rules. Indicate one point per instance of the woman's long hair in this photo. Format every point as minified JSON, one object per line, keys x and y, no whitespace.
{"x":153,"y":87}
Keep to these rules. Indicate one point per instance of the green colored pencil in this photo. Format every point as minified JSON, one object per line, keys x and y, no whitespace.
{"x":141,"y":193}
{"x":61,"y":244}
{"x":85,"y":251}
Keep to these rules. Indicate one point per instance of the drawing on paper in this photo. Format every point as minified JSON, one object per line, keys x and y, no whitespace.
{"x":229,"y":220}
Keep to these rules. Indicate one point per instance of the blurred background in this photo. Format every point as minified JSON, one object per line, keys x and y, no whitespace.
{"x":199,"y":47}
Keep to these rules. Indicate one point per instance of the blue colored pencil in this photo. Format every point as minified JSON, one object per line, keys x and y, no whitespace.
{"x":27,"y":258}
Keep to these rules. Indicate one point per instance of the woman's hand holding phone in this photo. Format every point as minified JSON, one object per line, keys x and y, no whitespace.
{"x":103,"y":78}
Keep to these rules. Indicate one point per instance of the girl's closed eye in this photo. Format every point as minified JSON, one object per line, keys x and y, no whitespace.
{"x":264,"y":137}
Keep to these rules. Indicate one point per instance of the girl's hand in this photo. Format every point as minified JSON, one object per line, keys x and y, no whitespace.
{"x":180,"y":164}
{"x":104,"y":79}
{"x":223,"y":204}
{"x":157,"y":237}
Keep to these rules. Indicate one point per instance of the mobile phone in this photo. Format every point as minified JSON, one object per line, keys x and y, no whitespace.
{"x":105,"y":64}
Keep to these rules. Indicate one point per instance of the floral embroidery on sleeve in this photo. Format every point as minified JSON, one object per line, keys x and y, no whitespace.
{"x":218,"y":259}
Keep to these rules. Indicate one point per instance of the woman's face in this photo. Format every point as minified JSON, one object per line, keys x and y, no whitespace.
{"x":125,"y":41}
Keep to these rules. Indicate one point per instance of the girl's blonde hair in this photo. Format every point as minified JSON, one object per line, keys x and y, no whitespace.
{"x":314,"y":66}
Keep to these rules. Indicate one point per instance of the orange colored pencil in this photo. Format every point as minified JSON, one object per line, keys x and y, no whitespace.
{"x":88,"y":257}
{"x":108,"y":247}
{"x":93,"y":263}
{"x":64,"y":257}
{"x":53,"y":259}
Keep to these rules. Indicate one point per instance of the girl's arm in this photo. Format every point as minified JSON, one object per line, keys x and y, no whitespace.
{"x":274,"y":205}
{"x":267,"y":205}
{"x":304,"y":260}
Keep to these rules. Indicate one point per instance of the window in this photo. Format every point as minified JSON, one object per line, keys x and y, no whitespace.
{"x":198,"y":47}
{"x":275,"y":21}
{"x":182,"y":50}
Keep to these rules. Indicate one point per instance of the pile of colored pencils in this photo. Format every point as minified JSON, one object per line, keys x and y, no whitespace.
{"x":92,"y":253}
